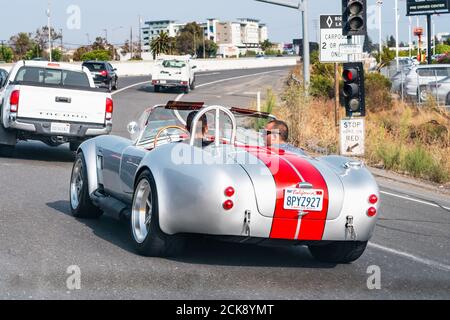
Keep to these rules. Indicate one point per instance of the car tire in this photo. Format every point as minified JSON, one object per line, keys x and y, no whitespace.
{"x":187,"y":89}
{"x":343,"y":252}
{"x":115,"y":87}
{"x":150,"y":241}
{"x":157,"y":88}
{"x":81,"y":204}
{"x":447,"y":101}
{"x":110,"y":86}
{"x":7,"y":151}
{"x":193,"y":84}
{"x":74,"y":145}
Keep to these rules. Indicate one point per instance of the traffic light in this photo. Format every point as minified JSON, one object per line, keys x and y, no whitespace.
{"x":354,"y":92}
{"x":354,"y":17}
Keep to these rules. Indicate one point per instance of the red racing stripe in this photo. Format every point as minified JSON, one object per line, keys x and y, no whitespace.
{"x":285,"y":222}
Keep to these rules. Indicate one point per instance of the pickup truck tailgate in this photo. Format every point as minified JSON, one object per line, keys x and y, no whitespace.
{"x":82,"y":106}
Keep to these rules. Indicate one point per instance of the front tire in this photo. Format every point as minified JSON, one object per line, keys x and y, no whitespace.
{"x":80,"y":202}
{"x":73,"y":146}
{"x":147,"y":236}
{"x":339,"y":252}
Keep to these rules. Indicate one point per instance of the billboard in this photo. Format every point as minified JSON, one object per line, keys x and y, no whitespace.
{"x":424,"y":7}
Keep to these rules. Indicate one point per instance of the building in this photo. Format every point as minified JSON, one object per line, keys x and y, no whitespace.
{"x":152,"y":29}
{"x":442,"y":37}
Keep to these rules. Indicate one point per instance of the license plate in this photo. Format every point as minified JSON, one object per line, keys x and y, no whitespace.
{"x":163,"y":81}
{"x":60,"y":128}
{"x":303,"y":200}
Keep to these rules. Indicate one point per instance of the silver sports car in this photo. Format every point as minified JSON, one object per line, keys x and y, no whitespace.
{"x":218,"y":179}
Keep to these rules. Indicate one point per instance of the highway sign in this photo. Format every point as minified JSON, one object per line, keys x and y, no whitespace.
{"x":424,"y":7}
{"x":353,"y":137}
{"x":331,"y":39}
{"x":351,"y":49}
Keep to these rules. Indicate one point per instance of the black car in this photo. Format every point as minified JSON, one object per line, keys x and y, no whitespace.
{"x":103,"y":73}
{"x":3,"y":77}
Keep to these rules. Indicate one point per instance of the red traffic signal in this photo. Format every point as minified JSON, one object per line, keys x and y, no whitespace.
{"x":354,"y":93}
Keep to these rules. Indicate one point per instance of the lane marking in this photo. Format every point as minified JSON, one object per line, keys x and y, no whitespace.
{"x":413,"y":199}
{"x":412,"y":257}
{"x":207,"y":74}
{"x":130,"y":86}
{"x":200,"y":85}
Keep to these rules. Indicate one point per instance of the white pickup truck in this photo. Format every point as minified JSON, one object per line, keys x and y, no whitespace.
{"x":174,"y":72}
{"x":52,"y":102}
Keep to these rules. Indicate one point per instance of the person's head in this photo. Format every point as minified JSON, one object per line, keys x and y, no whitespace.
{"x":277,"y":132}
{"x":203,"y":123}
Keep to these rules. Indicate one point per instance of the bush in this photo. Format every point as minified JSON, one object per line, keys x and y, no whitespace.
{"x":418,"y":162}
{"x":100,"y":55}
{"x":378,"y":92}
{"x":322,"y":86}
{"x":390,"y":154}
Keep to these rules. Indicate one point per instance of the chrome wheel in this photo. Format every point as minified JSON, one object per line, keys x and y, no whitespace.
{"x":76,"y":184}
{"x":141,"y":216}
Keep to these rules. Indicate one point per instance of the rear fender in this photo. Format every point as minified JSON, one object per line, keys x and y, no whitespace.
{"x":89,"y":150}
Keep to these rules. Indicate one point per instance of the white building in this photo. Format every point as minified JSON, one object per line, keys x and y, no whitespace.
{"x":153,"y":29}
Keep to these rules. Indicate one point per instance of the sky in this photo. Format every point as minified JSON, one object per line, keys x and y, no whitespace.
{"x":83,"y":20}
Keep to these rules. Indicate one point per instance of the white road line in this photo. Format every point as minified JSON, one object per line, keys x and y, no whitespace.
{"x":236,"y":78}
{"x":207,"y":74}
{"x":129,"y":87}
{"x":412,"y":199}
{"x":409,"y":256}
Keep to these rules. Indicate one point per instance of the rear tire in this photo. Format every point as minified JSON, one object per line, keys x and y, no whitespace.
{"x":81,"y":204}
{"x":187,"y":89}
{"x":148,"y":238}
{"x":447,"y":101}
{"x":7,"y":151}
{"x":157,"y":88}
{"x":110,"y":86}
{"x":339,"y":252}
{"x":116,"y":86}
{"x":193,"y":84}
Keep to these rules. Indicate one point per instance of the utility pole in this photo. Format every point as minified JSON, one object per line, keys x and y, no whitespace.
{"x":303,"y":7}
{"x":131,"y":42}
{"x":397,"y":18}
{"x":429,"y":58}
{"x":204,"y":45}
{"x":380,"y":40}
{"x":49,"y":25}
{"x":62,"y":43}
{"x":140,"y":37}
{"x":410,"y":37}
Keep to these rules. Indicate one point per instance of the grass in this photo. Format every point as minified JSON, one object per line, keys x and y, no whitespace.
{"x":402,"y":138}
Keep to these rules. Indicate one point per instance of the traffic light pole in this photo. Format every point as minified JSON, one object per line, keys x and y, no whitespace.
{"x":429,"y":58}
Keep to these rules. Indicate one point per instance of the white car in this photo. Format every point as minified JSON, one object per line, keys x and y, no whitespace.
{"x":424,"y":75}
{"x":54,"y":103}
{"x":174,"y":72}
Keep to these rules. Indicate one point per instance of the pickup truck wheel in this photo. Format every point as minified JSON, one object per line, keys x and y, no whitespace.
{"x":157,"y":88}
{"x":193,"y":84}
{"x":80,"y":202}
{"x":6,"y":150}
{"x":147,"y":236}
{"x":110,"y":86}
{"x":187,"y":89}
{"x":339,"y":252}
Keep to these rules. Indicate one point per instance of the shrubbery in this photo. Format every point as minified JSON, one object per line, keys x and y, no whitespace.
{"x":378,"y":92}
{"x":100,"y":55}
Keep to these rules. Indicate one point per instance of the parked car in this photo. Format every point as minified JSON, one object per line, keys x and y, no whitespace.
{"x":440,"y":91}
{"x":174,"y":72}
{"x":3,"y":77}
{"x":54,"y":103}
{"x":223,"y":182}
{"x":423,"y":75}
{"x":104,"y":74}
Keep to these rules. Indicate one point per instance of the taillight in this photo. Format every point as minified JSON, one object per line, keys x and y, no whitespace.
{"x":229,"y":192}
{"x":373,"y":199}
{"x":104,"y":73}
{"x":228,"y":205}
{"x":14,"y":101}
{"x":109,"y":109}
{"x":372,"y":212}
{"x":184,"y":83}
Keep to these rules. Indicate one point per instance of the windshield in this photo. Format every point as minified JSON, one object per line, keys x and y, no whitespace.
{"x":95,"y":66}
{"x":66,"y":78}
{"x":249,"y":125}
{"x":174,"y":64}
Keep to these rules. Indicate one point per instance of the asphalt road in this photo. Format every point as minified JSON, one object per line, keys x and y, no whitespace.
{"x":40,"y":240}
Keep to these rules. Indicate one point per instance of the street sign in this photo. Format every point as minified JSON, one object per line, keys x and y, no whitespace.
{"x":331,"y":39}
{"x":353,"y":137}
{"x":424,"y":7}
{"x":351,"y":49}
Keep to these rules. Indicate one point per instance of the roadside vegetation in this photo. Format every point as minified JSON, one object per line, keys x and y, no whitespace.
{"x":410,"y":140}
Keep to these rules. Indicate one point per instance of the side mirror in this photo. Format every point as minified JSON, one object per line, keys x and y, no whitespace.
{"x":194,"y":67}
{"x":134,"y":130}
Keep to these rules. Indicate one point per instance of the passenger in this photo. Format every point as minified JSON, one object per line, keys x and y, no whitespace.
{"x":277,"y":136}
{"x":199,"y":135}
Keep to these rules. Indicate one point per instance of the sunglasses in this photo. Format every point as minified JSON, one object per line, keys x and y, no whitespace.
{"x":269,"y":132}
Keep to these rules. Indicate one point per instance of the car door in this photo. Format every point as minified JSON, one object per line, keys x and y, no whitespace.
{"x":131,"y":159}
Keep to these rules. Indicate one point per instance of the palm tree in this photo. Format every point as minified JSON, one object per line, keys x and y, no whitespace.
{"x":161,"y":44}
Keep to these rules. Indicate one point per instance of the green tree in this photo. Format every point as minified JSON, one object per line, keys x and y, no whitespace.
{"x":6,"y":54}
{"x":442,"y":49}
{"x":189,"y":39}
{"x":161,"y":44}
{"x":210,"y":49}
{"x":266,"y":45}
{"x":21,"y":44}
{"x":57,"y":55}
{"x":391,"y":42}
{"x":41,"y":39}
{"x":98,"y":55}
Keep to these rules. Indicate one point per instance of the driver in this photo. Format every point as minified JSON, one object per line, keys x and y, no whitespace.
{"x":199,"y":135}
